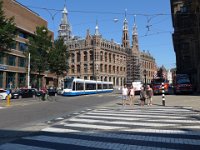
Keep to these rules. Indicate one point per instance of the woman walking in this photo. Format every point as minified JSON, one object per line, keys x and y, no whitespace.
{"x":131,"y":95}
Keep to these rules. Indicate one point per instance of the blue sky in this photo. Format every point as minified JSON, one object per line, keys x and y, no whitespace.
{"x":153,"y":20}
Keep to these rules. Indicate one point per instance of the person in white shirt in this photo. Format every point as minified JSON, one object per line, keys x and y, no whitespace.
{"x":124,"y":95}
{"x":131,"y":95}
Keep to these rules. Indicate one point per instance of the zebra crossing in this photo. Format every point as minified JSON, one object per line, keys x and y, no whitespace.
{"x":113,"y":128}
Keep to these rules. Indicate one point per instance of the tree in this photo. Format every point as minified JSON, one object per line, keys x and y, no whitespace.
{"x":58,"y":58}
{"x":39,"y":46}
{"x":7,"y":30}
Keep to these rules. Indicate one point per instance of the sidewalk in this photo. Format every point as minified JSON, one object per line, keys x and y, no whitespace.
{"x":18,"y":102}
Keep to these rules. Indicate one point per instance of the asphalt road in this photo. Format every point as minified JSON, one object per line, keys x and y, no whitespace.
{"x":29,"y":115}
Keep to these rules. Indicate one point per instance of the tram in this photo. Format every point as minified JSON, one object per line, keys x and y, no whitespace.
{"x":75,"y":87}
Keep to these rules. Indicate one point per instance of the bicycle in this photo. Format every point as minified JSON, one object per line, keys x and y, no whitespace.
{"x":51,"y":97}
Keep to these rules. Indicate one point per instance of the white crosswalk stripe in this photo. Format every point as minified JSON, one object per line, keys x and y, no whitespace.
{"x":138,"y":128}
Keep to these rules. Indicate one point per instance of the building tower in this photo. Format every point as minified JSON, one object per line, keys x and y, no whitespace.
{"x":125,"y":36}
{"x":65,"y":28}
{"x":135,"y":45}
{"x":136,"y":53}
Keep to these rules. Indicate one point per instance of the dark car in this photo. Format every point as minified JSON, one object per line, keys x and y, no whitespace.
{"x":24,"y":93}
{"x":52,"y":92}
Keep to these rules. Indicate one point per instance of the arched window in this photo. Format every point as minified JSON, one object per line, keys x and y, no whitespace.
{"x":101,"y":56}
{"x":72,"y":69}
{"x":72,"y":58}
{"x":106,"y":57}
{"x":85,"y":56}
{"x":78,"y":57}
{"x":91,"y":55}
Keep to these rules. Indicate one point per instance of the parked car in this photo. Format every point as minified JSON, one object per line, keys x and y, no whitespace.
{"x":52,"y":92}
{"x":24,"y":93}
{"x":3,"y":94}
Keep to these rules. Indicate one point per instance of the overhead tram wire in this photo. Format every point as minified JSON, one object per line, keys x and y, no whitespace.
{"x":148,"y":16}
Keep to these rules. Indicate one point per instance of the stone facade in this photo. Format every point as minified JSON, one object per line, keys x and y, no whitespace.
{"x":95,"y":58}
{"x":186,"y":38}
{"x":13,"y":66}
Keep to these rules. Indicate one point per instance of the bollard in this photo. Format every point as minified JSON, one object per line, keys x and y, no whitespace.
{"x":163,"y":94}
{"x":8,"y":100}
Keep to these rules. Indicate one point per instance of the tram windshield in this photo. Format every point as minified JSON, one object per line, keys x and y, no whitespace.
{"x":68,"y":83}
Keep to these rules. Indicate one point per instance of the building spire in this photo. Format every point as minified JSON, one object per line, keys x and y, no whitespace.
{"x":65,"y":28}
{"x":64,"y":15}
{"x":125,"y":36}
{"x":135,"y":44}
{"x":97,"y":29}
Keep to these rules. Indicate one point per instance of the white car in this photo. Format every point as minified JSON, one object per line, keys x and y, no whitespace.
{"x":3,"y":94}
{"x":137,"y":86}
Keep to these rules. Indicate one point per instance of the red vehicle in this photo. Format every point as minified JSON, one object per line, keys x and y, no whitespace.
{"x":182,"y":84}
{"x":156,"y":85}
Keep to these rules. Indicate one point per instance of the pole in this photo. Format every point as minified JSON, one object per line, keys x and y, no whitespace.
{"x":29,"y":56}
{"x":163,"y":94}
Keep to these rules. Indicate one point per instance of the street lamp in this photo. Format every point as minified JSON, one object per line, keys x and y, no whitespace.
{"x":145,"y":79}
{"x":29,"y":58}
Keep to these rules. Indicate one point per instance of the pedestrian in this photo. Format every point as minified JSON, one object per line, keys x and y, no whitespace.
{"x":149,"y":93}
{"x":142,"y":96}
{"x":44,"y":93}
{"x":131,"y":95}
{"x":124,"y":95}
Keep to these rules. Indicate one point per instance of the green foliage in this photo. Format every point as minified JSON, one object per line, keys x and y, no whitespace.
{"x":7,"y":30}
{"x":58,"y":58}
{"x":39,"y":46}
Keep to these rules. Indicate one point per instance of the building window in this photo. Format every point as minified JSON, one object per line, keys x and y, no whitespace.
{"x":78,"y":68}
{"x":11,"y":60}
{"x":21,"y":62}
{"x":101,"y":56}
{"x":105,"y":57}
{"x":72,"y":69}
{"x":110,"y":58}
{"x":72,"y":58}
{"x":10,"y":80}
{"x":23,"y":35}
{"x":22,"y":47}
{"x":91,"y":55}
{"x":105,"y":68}
{"x":109,"y":68}
{"x":1,"y":58}
{"x":1,"y":79}
{"x":85,"y":56}
{"x":91,"y":67}
{"x":78,"y":57}
{"x":85,"y":68}
{"x":101,"y":67}
{"x":114,"y":58}
{"x":21,"y":79}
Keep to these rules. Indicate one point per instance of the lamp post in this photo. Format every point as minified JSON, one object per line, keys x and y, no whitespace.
{"x":145,"y":79}
{"x":29,"y":57}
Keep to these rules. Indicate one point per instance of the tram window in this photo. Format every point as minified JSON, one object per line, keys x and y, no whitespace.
{"x":99,"y":86}
{"x":79,"y":86}
{"x":105,"y":86}
{"x":90,"y":86}
{"x":110,"y":86}
{"x":74,"y":86}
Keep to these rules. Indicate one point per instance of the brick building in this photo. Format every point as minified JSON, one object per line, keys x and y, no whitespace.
{"x":186,"y":38}
{"x":97,"y":58}
{"x":13,"y":64}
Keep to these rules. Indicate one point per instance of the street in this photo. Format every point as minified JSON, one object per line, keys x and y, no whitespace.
{"x":100,"y":122}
